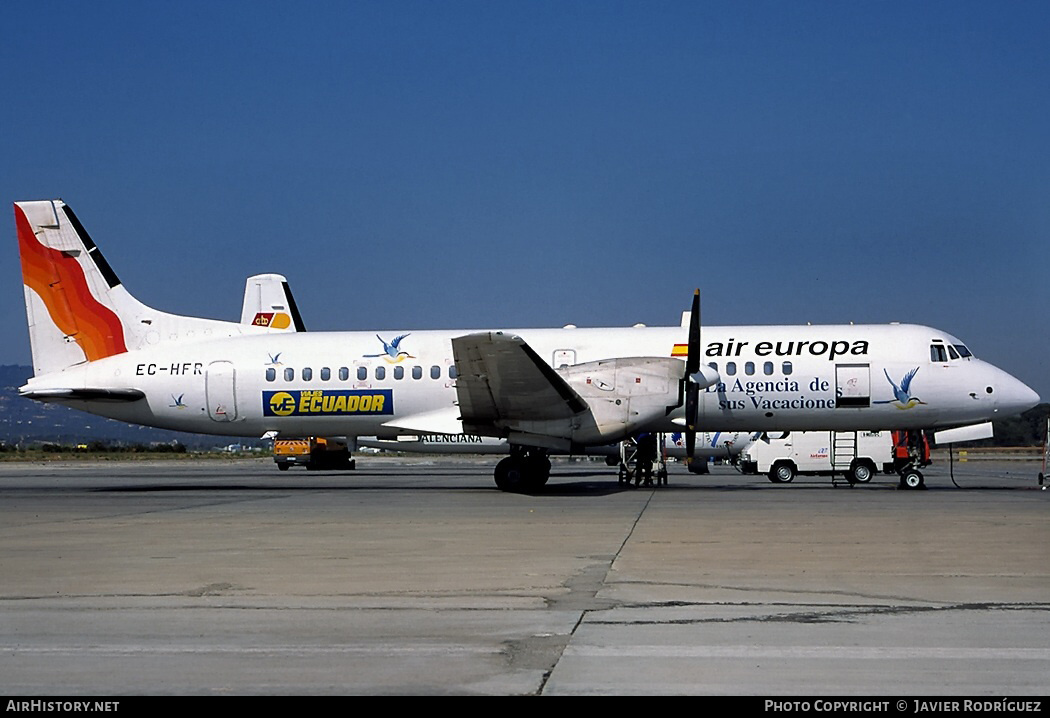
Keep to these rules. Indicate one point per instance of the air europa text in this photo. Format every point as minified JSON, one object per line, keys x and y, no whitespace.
{"x":832,"y":349}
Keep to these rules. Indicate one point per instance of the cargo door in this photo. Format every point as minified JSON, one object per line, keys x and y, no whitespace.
{"x":221,"y":391}
{"x":852,"y":385}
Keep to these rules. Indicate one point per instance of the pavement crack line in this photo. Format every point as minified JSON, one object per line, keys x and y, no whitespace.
{"x":583,"y":596}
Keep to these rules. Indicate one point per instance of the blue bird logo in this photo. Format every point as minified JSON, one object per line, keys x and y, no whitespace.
{"x":275,"y":359}
{"x":903,"y":398}
{"x":392,"y":351}
{"x":177,"y":403}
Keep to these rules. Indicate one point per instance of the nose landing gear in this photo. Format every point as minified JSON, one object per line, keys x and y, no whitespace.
{"x":912,"y":479}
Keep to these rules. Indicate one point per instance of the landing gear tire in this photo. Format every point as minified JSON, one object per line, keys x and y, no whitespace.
{"x":699,"y":467}
{"x":912,"y":479}
{"x":860,"y":473}
{"x":782,"y":473}
{"x":522,"y":474}
{"x":510,"y":475}
{"x":537,"y":471}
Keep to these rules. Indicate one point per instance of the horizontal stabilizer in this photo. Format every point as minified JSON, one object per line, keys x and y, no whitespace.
{"x":83,"y":394}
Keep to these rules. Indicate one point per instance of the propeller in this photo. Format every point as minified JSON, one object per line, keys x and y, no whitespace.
{"x":692,"y":389}
{"x":697,"y":377}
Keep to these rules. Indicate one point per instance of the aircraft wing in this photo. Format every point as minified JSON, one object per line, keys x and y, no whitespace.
{"x":501,"y":382}
{"x":441,"y":421}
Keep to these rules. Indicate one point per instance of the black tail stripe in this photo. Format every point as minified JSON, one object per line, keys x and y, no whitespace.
{"x":94,"y":252}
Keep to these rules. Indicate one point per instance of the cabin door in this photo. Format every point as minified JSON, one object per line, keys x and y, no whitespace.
{"x":221,"y":391}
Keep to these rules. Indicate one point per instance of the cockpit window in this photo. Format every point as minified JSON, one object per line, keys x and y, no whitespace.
{"x":963,"y":351}
{"x":937,"y":353}
{"x":952,"y":353}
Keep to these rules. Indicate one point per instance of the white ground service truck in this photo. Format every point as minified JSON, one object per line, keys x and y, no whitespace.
{"x":856,"y":455}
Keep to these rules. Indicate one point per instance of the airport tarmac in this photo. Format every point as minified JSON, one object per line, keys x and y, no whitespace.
{"x":416,"y":576}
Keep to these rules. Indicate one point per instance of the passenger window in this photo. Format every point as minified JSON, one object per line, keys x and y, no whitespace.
{"x":731,"y":368}
{"x":362,"y":373}
{"x":435,"y":372}
{"x":749,"y":368}
{"x":417,"y":372}
{"x":788,"y":368}
{"x":344,"y":374}
{"x":937,"y":353}
{"x":767,"y":368}
{"x":713,"y":365}
{"x":399,"y":372}
{"x":326,"y":373}
{"x":308,"y":374}
{"x":271,"y":374}
{"x":380,"y":373}
{"x":289,"y":374}
{"x":452,"y":374}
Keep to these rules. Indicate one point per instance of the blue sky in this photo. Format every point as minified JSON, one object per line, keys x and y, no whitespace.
{"x":502,"y":164}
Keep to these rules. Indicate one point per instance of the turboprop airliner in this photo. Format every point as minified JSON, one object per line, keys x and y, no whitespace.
{"x":98,"y":349}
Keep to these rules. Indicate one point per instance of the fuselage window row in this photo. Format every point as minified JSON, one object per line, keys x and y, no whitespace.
{"x":749,"y":368}
{"x":362,"y":373}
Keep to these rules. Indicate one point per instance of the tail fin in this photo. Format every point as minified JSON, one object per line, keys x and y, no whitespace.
{"x":78,"y":310}
{"x":268,"y":302}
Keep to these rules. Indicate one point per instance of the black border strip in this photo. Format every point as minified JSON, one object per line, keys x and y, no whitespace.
{"x":297,"y":318}
{"x":93,"y":251}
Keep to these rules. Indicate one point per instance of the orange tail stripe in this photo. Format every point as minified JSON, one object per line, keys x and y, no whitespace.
{"x":60,"y":283}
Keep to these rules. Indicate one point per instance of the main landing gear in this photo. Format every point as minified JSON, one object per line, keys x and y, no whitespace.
{"x":525,"y":470}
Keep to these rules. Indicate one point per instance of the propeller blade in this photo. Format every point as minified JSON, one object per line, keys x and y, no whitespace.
{"x":692,"y":389}
{"x":692,"y":364}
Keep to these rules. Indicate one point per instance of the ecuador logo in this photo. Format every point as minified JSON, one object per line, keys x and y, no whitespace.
{"x":323,"y":402}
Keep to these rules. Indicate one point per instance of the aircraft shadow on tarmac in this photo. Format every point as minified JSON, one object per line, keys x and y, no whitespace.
{"x":569,"y":483}
{"x":575,"y":488}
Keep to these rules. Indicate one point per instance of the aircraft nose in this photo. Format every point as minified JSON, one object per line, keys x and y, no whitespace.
{"x":1014,"y":396}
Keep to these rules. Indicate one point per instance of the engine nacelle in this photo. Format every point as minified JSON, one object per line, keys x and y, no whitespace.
{"x":623,"y":395}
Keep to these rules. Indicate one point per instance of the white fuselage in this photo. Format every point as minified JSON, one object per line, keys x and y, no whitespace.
{"x":828,"y":377}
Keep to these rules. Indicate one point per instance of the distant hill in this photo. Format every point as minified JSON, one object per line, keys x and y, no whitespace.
{"x":23,"y":421}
